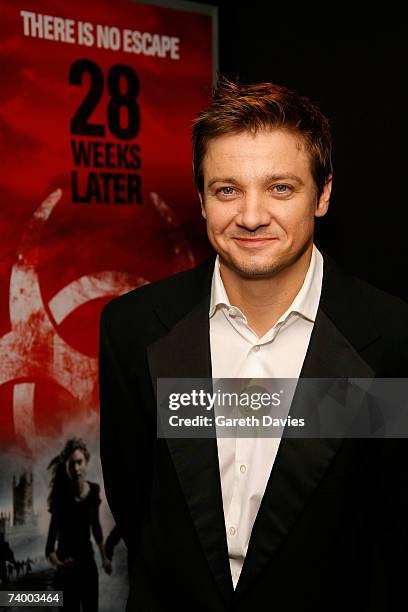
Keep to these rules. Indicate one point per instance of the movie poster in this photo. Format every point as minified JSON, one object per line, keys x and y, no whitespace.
{"x":96,"y":104}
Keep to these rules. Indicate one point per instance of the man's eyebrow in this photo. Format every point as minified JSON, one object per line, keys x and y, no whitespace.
{"x":219,"y":179}
{"x":270,"y":178}
{"x":283,"y":176}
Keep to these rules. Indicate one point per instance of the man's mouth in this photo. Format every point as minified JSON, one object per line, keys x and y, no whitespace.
{"x":254,"y":241}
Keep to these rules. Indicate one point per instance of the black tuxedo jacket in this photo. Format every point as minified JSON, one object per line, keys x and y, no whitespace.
{"x":332,"y":527}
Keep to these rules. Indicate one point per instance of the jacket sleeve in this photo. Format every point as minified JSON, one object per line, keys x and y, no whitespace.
{"x":124,"y":441}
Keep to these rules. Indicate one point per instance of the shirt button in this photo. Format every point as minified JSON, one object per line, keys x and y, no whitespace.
{"x":232,"y":313}
{"x":256,"y":348}
{"x":242,"y":469}
{"x":232,"y":531}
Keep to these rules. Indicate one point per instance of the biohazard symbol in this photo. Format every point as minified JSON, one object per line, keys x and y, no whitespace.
{"x":33,"y":348}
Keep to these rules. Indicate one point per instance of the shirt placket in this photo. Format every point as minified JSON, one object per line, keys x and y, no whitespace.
{"x":235,"y":528}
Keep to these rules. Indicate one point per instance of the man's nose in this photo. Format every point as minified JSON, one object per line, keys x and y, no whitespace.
{"x":254,"y":212}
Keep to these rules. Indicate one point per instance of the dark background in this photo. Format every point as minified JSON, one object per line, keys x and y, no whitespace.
{"x":354,"y":67}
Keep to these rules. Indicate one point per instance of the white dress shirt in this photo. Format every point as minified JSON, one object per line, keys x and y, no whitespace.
{"x":237,"y":352}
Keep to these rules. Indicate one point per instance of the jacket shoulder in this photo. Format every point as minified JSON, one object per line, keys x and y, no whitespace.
{"x":389,"y":357}
{"x":374,"y":322}
{"x":134,"y":312}
{"x":389,"y":311}
{"x":356,"y":304}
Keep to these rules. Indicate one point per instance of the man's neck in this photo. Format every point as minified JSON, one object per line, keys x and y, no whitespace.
{"x":264,"y":300}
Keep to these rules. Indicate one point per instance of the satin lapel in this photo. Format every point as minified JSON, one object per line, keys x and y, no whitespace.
{"x":301,"y":463}
{"x":185,"y":353}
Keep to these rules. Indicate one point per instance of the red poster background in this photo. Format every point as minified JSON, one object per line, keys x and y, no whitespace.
{"x":59,"y":263}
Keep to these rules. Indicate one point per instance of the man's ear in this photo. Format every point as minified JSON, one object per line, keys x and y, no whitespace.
{"x":324,"y":199}
{"x":200,"y":195}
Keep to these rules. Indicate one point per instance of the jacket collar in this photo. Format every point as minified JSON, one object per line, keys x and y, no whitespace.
{"x":340,"y":301}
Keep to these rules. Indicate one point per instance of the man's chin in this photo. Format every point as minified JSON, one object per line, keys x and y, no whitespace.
{"x":262,"y":265}
{"x":254,"y":269}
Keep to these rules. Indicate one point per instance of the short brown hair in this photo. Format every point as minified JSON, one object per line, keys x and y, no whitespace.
{"x":238,"y":108}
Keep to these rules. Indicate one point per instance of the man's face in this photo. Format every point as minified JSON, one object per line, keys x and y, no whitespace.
{"x":260,"y":200}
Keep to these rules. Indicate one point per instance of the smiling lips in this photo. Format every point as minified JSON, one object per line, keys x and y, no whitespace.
{"x":253,"y":242}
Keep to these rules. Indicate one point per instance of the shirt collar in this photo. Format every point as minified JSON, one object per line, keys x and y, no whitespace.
{"x":305,"y":303}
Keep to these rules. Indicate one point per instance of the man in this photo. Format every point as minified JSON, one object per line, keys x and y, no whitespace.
{"x":219,"y":525}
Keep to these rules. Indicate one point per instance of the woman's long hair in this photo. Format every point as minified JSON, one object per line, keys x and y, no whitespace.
{"x":60,"y":483}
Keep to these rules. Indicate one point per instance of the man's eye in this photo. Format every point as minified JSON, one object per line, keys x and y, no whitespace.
{"x":226,"y":190}
{"x":281,"y":188}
